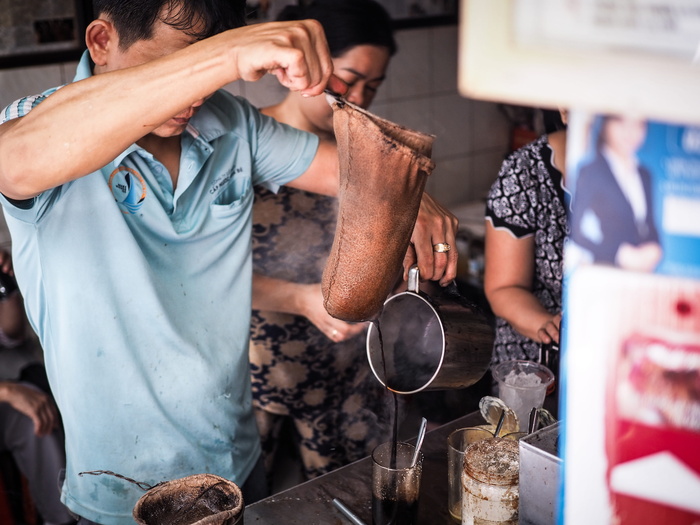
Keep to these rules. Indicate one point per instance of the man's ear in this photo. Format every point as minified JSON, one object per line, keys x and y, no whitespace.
{"x":101,"y":39}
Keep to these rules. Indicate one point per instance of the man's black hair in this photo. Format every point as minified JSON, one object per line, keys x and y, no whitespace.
{"x":134,"y":19}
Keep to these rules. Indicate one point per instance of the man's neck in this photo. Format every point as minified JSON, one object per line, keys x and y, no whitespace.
{"x":166,"y":150}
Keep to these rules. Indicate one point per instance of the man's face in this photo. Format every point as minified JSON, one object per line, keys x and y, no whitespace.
{"x":166,"y":40}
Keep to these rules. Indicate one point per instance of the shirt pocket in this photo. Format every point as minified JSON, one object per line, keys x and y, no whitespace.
{"x":227,"y":206}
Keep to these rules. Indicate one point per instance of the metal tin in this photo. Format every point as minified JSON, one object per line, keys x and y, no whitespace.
{"x":490,"y":483}
{"x":540,"y":468}
{"x":491,"y":409}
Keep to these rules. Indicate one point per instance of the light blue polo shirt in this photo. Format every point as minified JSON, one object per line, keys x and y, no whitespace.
{"x":141,"y":297}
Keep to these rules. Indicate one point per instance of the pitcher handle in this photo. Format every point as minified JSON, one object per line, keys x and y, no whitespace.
{"x":414,"y":279}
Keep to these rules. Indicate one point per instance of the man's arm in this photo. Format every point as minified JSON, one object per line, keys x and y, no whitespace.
{"x":85,"y":125}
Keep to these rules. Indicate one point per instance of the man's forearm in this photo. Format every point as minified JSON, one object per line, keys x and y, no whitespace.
{"x":85,"y":125}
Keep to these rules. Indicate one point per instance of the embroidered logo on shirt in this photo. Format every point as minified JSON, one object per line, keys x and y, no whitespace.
{"x":129,"y":189}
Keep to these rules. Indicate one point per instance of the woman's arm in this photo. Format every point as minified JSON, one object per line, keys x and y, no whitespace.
{"x":508,"y":274}
{"x":277,"y":295}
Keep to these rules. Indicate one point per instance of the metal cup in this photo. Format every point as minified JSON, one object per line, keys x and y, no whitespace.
{"x":422,"y":342}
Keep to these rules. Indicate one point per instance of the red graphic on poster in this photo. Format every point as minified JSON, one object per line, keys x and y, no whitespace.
{"x":653,"y":425}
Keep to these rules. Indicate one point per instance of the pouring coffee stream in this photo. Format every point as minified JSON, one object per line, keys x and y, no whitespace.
{"x":418,"y":342}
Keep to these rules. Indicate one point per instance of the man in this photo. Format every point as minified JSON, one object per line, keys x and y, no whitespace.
{"x":30,"y":427}
{"x":128,"y":195}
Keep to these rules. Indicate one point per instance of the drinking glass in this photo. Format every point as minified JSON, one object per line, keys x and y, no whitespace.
{"x":522,"y":385}
{"x":457,"y":443}
{"x":395,"y":484}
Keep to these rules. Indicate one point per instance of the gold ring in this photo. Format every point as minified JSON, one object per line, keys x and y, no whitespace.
{"x":442,"y":247}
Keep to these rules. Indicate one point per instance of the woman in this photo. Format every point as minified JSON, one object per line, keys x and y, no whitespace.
{"x":307,"y":366}
{"x":613,"y":211}
{"x":526,"y":225}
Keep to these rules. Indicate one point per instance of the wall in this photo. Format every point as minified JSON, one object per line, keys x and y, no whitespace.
{"x":420,"y":92}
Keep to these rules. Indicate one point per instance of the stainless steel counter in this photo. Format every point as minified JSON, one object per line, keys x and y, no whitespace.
{"x":310,"y":503}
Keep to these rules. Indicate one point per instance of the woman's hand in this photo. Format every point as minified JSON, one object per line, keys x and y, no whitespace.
{"x":509,"y":270}
{"x":549,"y":331}
{"x":312,"y":308}
{"x":434,"y":225}
{"x":278,"y":295}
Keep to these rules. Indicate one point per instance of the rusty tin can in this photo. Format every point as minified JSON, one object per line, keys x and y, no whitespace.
{"x":490,"y":483}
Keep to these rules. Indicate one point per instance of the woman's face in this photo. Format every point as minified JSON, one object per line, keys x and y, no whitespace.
{"x":625,"y":135}
{"x":363,"y":69}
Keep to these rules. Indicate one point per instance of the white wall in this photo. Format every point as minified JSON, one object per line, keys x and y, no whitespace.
{"x":420,"y":92}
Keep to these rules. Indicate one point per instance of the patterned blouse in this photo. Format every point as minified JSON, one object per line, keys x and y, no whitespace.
{"x":529,"y":199}
{"x":296,"y":370}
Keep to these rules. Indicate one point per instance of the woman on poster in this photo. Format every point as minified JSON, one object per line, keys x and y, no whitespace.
{"x":613,"y":207}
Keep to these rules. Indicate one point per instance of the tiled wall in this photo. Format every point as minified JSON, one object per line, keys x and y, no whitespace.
{"x":420,"y":92}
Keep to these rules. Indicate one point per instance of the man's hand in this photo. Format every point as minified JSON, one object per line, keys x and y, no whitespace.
{"x":295,"y":52}
{"x":434,"y":225}
{"x":33,"y":403}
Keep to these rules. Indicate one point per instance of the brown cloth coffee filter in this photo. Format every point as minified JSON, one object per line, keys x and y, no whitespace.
{"x":383,"y":171}
{"x":201,"y":499}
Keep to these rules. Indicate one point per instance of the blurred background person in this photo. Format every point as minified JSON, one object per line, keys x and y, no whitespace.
{"x":526,"y":227}
{"x":30,"y":426}
{"x":309,"y":368}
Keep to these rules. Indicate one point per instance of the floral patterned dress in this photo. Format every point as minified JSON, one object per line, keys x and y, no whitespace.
{"x":529,"y":199}
{"x":339,"y":409}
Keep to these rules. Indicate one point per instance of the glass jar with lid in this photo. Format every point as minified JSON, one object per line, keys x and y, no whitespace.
{"x":490,"y":483}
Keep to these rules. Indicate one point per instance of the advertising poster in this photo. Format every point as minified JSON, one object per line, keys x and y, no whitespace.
{"x":632,"y":342}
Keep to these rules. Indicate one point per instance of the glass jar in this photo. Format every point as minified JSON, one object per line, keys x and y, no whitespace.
{"x":490,"y":483}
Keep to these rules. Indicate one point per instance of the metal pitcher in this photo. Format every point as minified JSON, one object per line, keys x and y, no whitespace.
{"x":421,"y":342}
